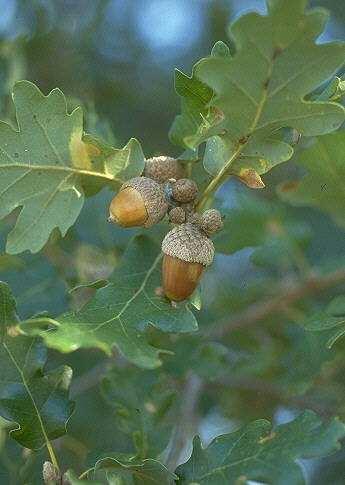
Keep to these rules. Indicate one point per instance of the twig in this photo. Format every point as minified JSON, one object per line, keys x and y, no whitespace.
{"x":265,"y":388}
{"x":187,"y":421}
{"x":287,"y":295}
{"x":90,"y":378}
{"x":217,"y":181}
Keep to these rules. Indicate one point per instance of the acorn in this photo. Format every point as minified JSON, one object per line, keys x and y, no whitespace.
{"x":140,"y":202}
{"x":211,"y":221}
{"x":161,"y":169}
{"x":184,"y":190}
{"x":187,"y":251}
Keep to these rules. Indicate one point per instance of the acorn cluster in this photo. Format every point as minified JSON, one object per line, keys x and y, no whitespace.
{"x":163,"y":190}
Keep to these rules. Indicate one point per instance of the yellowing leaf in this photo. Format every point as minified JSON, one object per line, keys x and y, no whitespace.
{"x":251,"y":178}
{"x":80,"y":154}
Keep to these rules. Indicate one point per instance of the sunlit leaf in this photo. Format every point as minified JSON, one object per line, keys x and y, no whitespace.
{"x":46,"y":166}
{"x":261,"y":89}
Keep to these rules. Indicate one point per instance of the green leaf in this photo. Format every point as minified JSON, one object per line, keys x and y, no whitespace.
{"x":119,"y":313}
{"x":337,"y":306}
{"x":220,"y":49}
{"x":197,"y":119}
{"x":262,"y":452}
{"x":262,"y":89}
{"x":46,"y":166}
{"x":323,"y":185}
{"x":303,"y":357}
{"x":122,"y":163}
{"x":268,"y":225}
{"x":72,"y":479}
{"x":143,"y":401}
{"x":36,"y":400}
{"x":252,"y":213}
{"x":145,"y":472}
{"x":259,"y":158}
{"x":331,"y":321}
{"x":334,"y":91}
{"x":97,"y":284}
{"x":189,"y":128}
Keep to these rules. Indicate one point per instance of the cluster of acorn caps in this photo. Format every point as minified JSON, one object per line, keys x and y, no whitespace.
{"x":187,"y":248}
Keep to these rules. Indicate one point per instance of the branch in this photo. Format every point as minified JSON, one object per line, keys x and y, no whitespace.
{"x":217,"y":181}
{"x":287,"y":295}
{"x":260,"y":386}
{"x":91,"y":378}
{"x":186,"y":421}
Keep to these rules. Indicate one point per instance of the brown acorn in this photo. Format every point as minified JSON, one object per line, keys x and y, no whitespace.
{"x":140,"y":202}
{"x":162,"y":168}
{"x":187,"y":251}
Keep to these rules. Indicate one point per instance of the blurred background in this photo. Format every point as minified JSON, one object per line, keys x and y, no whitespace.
{"x":119,"y":55}
{"x":116,"y":58}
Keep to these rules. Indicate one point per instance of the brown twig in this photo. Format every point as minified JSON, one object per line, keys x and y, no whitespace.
{"x":287,"y":295}
{"x":91,"y":378}
{"x":185,"y":427}
{"x":260,"y":386}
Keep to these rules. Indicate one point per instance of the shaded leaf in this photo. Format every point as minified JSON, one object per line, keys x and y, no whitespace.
{"x":331,"y":321}
{"x":323,"y":185}
{"x":119,"y":313}
{"x":145,"y":472}
{"x":337,"y":306}
{"x":269,"y":227}
{"x":97,"y":284}
{"x":302,"y":359}
{"x":36,"y":400}
{"x":46,"y":165}
{"x":143,"y":401}
{"x":261,"y":452}
{"x":72,"y":479}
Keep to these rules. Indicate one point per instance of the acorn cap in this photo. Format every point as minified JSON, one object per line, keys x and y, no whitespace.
{"x":188,"y":243}
{"x":163,"y":168}
{"x":194,"y":218}
{"x":177,"y":215}
{"x":211,"y":221}
{"x":184,"y":190}
{"x":153,"y":196}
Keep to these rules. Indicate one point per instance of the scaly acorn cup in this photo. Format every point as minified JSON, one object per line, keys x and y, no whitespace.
{"x":161,"y":169}
{"x":187,"y":251}
{"x":177,"y":215}
{"x":184,"y":190}
{"x":211,"y":221}
{"x":140,"y":202}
